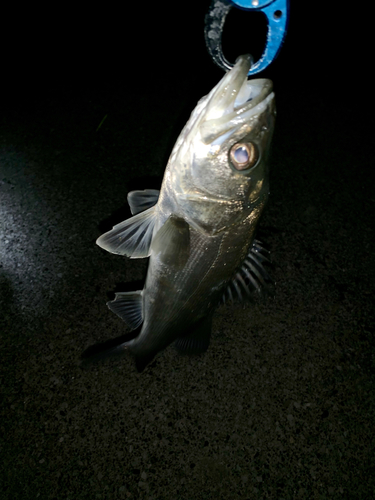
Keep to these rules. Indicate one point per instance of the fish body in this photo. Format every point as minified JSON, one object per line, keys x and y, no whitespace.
{"x":199,"y":230}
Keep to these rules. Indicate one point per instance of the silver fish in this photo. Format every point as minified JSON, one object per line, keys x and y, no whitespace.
{"x":199,"y":229}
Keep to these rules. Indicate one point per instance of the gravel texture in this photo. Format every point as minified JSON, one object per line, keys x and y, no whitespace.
{"x":282,"y":405}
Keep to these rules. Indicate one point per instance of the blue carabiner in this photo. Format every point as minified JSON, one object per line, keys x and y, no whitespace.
{"x":276,"y":11}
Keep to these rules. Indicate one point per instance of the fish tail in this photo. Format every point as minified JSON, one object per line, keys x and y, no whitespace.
{"x":111,"y":348}
{"x":117,"y":348}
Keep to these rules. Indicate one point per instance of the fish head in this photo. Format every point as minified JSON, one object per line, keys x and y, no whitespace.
{"x":220,"y":162}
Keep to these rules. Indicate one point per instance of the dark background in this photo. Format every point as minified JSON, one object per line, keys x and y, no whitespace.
{"x":282,"y":404}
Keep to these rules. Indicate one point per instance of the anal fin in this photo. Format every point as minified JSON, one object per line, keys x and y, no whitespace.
{"x":129,"y":307}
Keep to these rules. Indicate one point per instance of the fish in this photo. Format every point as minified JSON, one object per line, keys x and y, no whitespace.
{"x":199,"y":229}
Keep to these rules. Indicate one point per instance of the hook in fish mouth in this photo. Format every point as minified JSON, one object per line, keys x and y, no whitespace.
{"x":235,"y":93}
{"x":234,"y":101}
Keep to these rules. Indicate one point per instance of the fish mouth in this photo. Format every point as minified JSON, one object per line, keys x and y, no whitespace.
{"x":235,"y":100}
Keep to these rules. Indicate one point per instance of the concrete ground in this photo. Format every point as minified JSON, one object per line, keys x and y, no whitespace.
{"x":282,"y":404}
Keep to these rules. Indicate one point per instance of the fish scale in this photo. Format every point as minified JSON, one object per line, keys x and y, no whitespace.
{"x":199,"y":230}
{"x":192,"y":293}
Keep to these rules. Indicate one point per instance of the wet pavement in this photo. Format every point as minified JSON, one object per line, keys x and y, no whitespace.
{"x":282,"y":404}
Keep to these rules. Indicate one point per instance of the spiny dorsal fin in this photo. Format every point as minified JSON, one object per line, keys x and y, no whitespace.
{"x":251,"y":277}
{"x":142,"y":200}
{"x":129,"y":307}
{"x":131,"y":237}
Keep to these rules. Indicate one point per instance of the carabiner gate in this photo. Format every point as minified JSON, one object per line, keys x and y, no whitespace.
{"x":276,"y":12}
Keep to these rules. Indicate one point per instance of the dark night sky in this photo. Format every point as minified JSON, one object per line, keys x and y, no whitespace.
{"x":107,"y":46}
{"x":64,"y":54}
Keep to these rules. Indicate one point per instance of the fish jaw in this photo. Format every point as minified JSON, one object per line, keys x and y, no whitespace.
{"x":231,"y":90}
{"x":200,"y":183}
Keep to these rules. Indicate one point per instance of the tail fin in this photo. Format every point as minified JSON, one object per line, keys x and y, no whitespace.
{"x":111,"y":348}
{"x":115,"y":348}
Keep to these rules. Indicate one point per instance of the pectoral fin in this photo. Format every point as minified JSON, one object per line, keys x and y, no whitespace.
{"x":172,"y":242}
{"x":131,"y":237}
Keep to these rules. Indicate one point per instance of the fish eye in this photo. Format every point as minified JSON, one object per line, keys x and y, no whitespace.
{"x":243,"y":155}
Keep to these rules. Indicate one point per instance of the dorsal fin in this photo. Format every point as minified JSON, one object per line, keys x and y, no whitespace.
{"x":251,"y":277}
{"x":198,"y":339}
